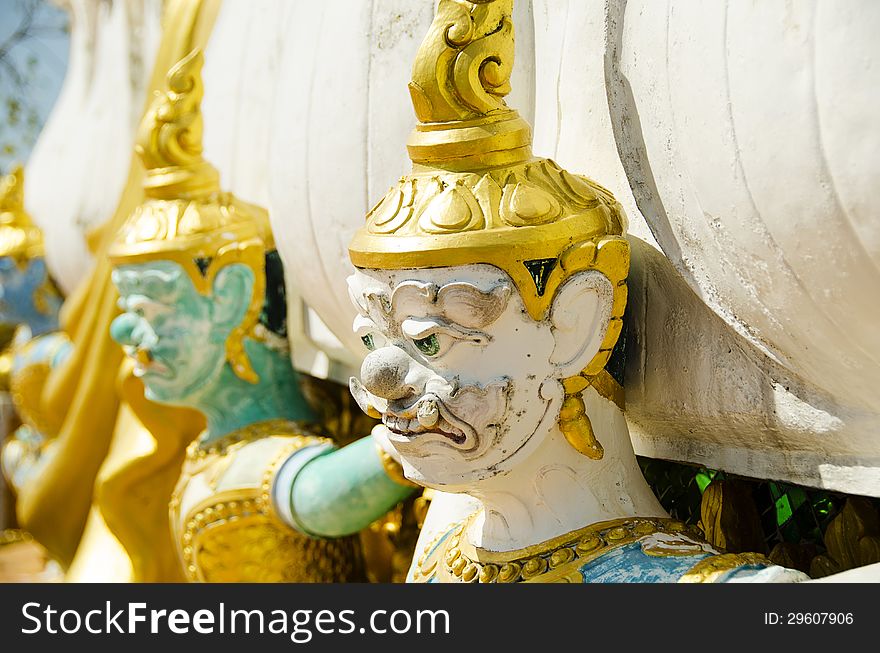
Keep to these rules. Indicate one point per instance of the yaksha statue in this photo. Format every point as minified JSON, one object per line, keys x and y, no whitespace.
{"x":490,"y":289}
{"x":30,"y":302}
{"x":262,"y":496}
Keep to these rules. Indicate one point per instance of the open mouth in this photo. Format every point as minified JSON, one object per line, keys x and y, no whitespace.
{"x":145,"y":363}
{"x":410,"y":428}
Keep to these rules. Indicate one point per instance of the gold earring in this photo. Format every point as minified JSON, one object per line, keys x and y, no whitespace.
{"x":575,"y":423}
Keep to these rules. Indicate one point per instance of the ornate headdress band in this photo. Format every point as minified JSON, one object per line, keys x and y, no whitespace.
{"x":20,"y":238}
{"x":186,"y":218}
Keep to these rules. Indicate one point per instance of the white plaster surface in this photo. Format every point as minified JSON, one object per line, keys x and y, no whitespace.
{"x":747,"y":131}
{"x":80,"y":162}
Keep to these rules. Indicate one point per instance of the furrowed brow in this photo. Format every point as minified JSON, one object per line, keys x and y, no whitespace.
{"x":459,"y":302}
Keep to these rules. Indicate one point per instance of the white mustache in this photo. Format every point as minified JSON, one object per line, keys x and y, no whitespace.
{"x":440,"y":408}
{"x":370,"y":404}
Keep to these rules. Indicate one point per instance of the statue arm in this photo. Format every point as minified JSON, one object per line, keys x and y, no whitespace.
{"x":329,"y":492}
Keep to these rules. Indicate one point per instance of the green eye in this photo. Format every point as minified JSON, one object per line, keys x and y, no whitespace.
{"x":428,"y":346}
{"x":368,"y":341}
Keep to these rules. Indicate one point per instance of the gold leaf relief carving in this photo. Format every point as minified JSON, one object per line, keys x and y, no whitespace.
{"x":488,"y":194}
{"x":524,"y":204}
{"x":464,"y":64}
{"x":454,"y":210}
{"x":171,"y":134}
{"x":385,"y":211}
{"x":578,"y":187}
{"x":482,"y":69}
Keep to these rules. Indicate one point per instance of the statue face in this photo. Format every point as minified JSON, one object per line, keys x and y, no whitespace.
{"x":18,"y":285}
{"x":176,"y":335}
{"x":455,"y":366}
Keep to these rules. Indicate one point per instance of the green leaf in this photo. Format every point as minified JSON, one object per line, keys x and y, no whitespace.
{"x":783,"y":510}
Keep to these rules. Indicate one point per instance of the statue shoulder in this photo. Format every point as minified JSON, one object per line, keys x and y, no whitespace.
{"x":245,"y":457}
{"x":224,"y":522}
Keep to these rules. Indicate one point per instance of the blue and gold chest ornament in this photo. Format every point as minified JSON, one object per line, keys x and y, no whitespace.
{"x":477,"y":194}
{"x":647,"y":550}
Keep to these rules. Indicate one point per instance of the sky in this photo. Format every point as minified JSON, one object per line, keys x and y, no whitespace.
{"x":48,"y":49}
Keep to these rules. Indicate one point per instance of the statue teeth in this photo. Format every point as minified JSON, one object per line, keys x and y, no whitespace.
{"x":428,"y":414}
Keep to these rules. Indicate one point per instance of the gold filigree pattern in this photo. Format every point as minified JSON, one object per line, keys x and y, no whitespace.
{"x":460,"y":77}
{"x":234,"y":539}
{"x":463,"y":69}
{"x":169,"y":138}
{"x":234,"y":535}
{"x":14,"y":536}
{"x":555,"y":561}
{"x":504,"y":217}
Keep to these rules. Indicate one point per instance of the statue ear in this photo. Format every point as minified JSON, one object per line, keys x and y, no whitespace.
{"x":579,"y":317}
{"x":231,"y":291}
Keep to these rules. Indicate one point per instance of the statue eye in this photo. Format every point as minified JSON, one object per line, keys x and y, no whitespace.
{"x":429,"y":345}
{"x":367,"y":339}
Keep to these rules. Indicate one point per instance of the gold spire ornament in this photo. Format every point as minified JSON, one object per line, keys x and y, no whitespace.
{"x":477,"y":194}
{"x":186,"y":218}
{"x":20,"y":238}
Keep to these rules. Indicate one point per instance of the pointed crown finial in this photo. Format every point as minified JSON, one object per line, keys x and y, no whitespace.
{"x":169,"y":139}
{"x":459,"y":80}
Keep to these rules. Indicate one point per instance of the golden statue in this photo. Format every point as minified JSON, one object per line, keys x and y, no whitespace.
{"x":99,"y":505}
{"x":29,"y":302}
{"x":29,"y":305}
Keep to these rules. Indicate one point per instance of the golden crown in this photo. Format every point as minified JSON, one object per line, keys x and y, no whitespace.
{"x":477,"y":194}
{"x":186,"y":218}
{"x":19,"y":236}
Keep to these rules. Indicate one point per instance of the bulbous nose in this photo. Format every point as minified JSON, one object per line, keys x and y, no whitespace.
{"x":387,"y":373}
{"x":122,"y":329}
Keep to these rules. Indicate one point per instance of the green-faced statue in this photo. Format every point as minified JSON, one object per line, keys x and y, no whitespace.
{"x":262,"y":496}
